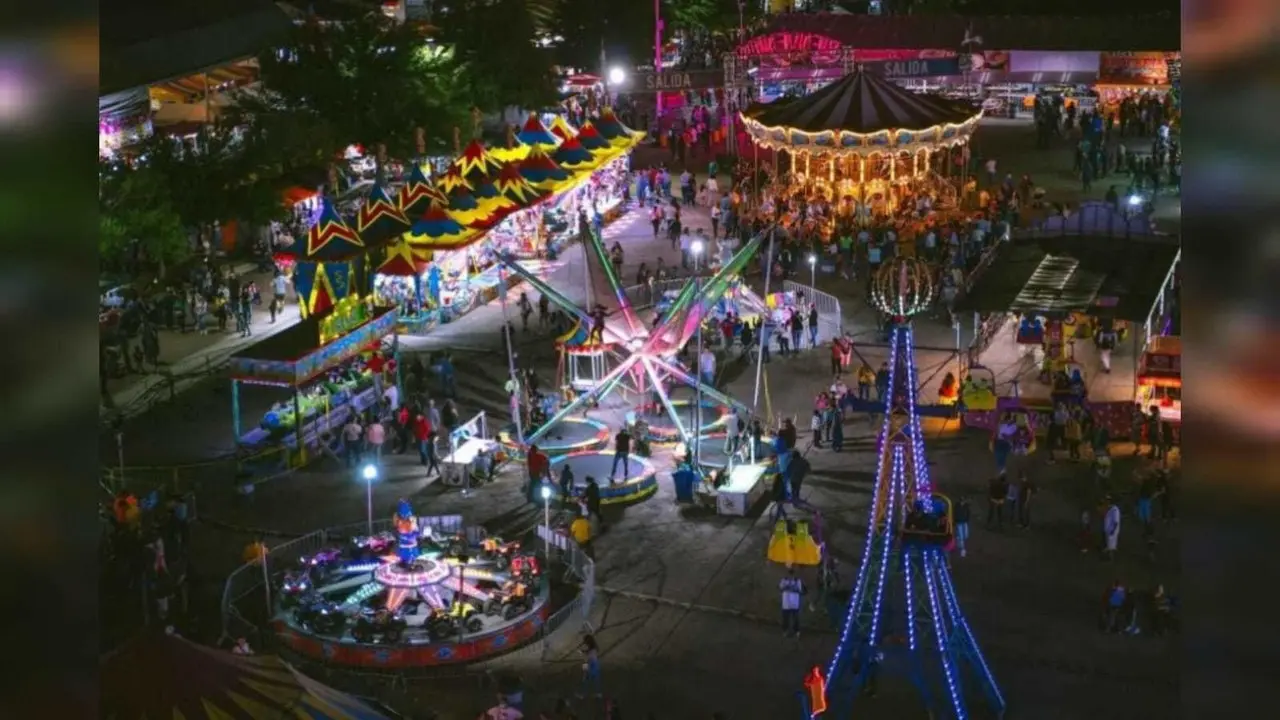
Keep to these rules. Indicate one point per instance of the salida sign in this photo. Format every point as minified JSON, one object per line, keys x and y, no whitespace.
{"x":678,"y":81}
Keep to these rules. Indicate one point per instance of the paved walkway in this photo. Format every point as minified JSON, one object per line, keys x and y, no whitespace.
{"x":687,"y":600}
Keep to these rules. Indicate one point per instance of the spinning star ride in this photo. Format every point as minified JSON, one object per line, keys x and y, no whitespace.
{"x":642,"y":353}
{"x":903,"y":613}
{"x":862,"y":136}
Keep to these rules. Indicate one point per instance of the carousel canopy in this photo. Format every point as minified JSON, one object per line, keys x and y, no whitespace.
{"x":536,"y":135}
{"x":438,"y":228}
{"x":562,"y":129}
{"x":418,"y":193}
{"x":612,"y":129}
{"x":330,"y":239}
{"x":475,"y":162}
{"x":572,"y":155}
{"x":380,"y":219}
{"x":541,"y":171}
{"x":589,"y":137}
{"x":162,"y":676}
{"x":1091,"y":274}
{"x":514,"y":187}
{"x":863,"y":112}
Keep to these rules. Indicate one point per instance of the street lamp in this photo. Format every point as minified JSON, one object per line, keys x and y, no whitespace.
{"x":370,"y":473}
{"x":696,"y":248}
{"x":616,"y":76}
{"x":696,"y":453}
{"x":813,"y":277}
{"x":546,"y":519}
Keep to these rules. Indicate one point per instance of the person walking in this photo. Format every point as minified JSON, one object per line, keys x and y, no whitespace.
{"x":591,"y":497}
{"x":375,"y":435}
{"x":997,"y":491}
{"x":424,"y":434}
{"x":792,"y":589}
{"x":1110,"y":529}
{"x":279,"y":290}
{"x":351,"y":434}
{"x":590,"y":665}
{"x":1146,"y":491}
{"x":1026,"y":489}
{"x":815,"y":424}
{"x":960,"y":520}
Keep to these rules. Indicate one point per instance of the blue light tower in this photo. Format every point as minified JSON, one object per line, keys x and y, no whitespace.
{"x":903,"y":615}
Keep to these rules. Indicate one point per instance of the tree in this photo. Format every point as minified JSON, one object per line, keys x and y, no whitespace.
{"x":138,"y":227}
{"x":364,"y":81}
{"x":500,"y":43}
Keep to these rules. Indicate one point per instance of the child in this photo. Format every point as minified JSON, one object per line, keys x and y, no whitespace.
{"x":815,"y":424}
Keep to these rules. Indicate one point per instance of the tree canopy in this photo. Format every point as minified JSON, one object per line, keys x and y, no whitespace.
{"x":499,"y":43}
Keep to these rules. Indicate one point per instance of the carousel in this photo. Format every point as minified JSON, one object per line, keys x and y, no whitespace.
{"x":863,"y":143}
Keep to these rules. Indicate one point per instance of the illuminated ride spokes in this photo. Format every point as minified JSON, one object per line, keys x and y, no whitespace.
{"x":903,"y":614}
{"x":645,"y":357}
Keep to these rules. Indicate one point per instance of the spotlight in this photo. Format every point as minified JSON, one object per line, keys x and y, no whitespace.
{"x":369,"y":472}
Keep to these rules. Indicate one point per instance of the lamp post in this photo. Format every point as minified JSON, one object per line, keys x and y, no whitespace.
{"x":546,"y":520}
{"x":370,"y":473}
{"x":813,"y":277}
{"x":511,"y":360}
{"x":657,"y":58}
{"x":696,"y":248}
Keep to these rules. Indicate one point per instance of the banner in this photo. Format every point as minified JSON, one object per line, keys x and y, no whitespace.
{"x":1134,"y":68}
{"x":940,"y":67}
{"x":677,"y":80}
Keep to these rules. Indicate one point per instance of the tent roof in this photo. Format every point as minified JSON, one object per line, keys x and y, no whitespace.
{"x":475,"y":160}
{"x":535,"y":134}
{"x":572,"y":154}
{"x":163,"y":676}
{"x":150,"y":41}
{"x":379,"y":219}
{"x":861,"y":102}
{"x":401,"y":261}
{"x":562,"y":128}
{"x":590,"y":138}
{"x":330,"y":238}
{"x":1096,"y":274}
{"x":513,"y":185}
{"x":418,"y":193}
{"x":1011,"y":32}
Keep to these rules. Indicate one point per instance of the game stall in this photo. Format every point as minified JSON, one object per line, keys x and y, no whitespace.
{"x":1160,"y":378}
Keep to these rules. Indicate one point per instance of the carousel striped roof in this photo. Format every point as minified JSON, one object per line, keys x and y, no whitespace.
{"x":865,"y":103}
{"x":169,"y":677}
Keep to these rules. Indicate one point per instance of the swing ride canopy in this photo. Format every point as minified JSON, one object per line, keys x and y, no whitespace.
{"x":863,"y":114}
{"x":169,"y":677}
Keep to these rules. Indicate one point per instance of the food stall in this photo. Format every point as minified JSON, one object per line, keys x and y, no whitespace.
{"x":1160,"y":378}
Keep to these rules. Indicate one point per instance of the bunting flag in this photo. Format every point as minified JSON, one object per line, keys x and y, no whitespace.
{"x":515,"y":188}
{"x":571,"y":155}
{"x":332,"y":283}
{"x":438,"y":229}
{"x":379,"y":219}
{"x":475,"y":162}
{"x":418,"y":193}
{"x":330,"y":238}
{"x":562,"y":129}
{"x":542,"y":172}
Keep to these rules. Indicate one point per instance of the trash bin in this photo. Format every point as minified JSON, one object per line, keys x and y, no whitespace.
{"x":684,"y":480}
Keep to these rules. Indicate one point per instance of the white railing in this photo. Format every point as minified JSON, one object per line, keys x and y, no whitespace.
{"x":830,"y":321}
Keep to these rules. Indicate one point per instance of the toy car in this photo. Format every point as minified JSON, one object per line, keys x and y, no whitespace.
{"x":322,"y":559}
{"x":509,"y":602}
{"x":374,"y":625}
{"x":320,"y":616}
{"x":295,"y":586}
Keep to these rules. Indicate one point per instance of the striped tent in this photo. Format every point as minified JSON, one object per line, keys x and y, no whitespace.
{"x":542,"y":172}
{"x":164,"y":676}
{"x":380,"y":219}
{"x":436,"y":228}
{"x":515,"y":187}
{"x":490,"y":200}
{"x":572,"y":156}
{"x":863,"y":110}
{"x":612,"y":129}
{"x":562,"y":129}
{"x":402,"y":261}
{"x":476,"y":162}
{"x":464,"y":207}
{"x":590,"y":139}
{"x":330,"y":238}
{"x":451,"y":179}
{"x":418,"y":193}
{"x":536,"y":135}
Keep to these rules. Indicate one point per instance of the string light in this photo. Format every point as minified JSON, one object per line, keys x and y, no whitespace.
{"x":947,"y":666}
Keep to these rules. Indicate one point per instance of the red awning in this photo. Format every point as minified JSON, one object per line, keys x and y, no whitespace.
{"x":295,"y":195}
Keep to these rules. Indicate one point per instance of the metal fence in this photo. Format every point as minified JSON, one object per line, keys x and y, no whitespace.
{"x":249,"y":587}
{"x":645,"y":296}
{"x":830,"y":321}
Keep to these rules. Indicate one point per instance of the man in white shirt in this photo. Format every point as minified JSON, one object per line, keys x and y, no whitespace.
{"x":707,"y":367}
{"x":792,"y":588}
{"x":686,"y":248}
{"x":392,"y":397}
{"x":713,"y":191}
{"x":351,"y":433}
{"x":279,"y":289}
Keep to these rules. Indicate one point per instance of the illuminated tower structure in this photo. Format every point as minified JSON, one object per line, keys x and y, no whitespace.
{"x":904,"y":616}
{"x":645,"y":357}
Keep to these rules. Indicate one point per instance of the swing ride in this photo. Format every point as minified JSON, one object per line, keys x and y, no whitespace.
{"x":904,"y":615}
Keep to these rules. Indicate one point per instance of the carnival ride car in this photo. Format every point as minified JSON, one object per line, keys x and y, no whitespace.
{"x":1016,"y":424}
{"x":978,"y":389}
{"x":1160,"y":378}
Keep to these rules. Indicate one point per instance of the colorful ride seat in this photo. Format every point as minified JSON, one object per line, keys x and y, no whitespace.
{"x":781,"y":548}
{"x":805,"y":549}
{"x":1030,"y":332}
